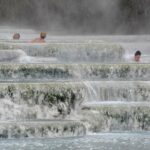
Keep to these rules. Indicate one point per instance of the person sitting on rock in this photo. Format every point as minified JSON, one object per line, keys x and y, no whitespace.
{"x":16,"y":36}
{"x":137,"y":56}
{"x":41,"y":39}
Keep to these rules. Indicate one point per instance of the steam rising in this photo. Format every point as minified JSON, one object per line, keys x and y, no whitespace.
{"x":78,"y":16}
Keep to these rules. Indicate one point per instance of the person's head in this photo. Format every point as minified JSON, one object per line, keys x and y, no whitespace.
{"x":16,"y":36}
{"x":137,"y":56}
{"x":43,"y":35}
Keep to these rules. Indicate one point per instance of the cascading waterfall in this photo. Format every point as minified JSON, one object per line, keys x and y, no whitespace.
{"x":71,"y":86}
{"x":79,"y":51}
{"x":80,"y":72}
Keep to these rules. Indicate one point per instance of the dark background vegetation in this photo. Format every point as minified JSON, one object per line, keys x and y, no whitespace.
{"x":78,"y":16}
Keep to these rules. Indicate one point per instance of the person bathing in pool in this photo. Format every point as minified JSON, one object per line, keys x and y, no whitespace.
{"x":137,"y":56}
{"x":16,"y":36}
{"x":41,"y":39}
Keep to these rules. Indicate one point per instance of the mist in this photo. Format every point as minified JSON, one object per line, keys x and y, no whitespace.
{"x":78,"y":16}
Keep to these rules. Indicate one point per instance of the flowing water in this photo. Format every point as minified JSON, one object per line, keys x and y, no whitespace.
{"x":74,"y":92}
{"x":107,"y":141}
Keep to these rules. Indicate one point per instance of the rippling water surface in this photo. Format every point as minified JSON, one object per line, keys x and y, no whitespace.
{"x":106,"y":141}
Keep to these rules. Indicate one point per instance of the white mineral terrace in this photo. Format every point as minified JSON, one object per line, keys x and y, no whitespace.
{"x":72,"y":86}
